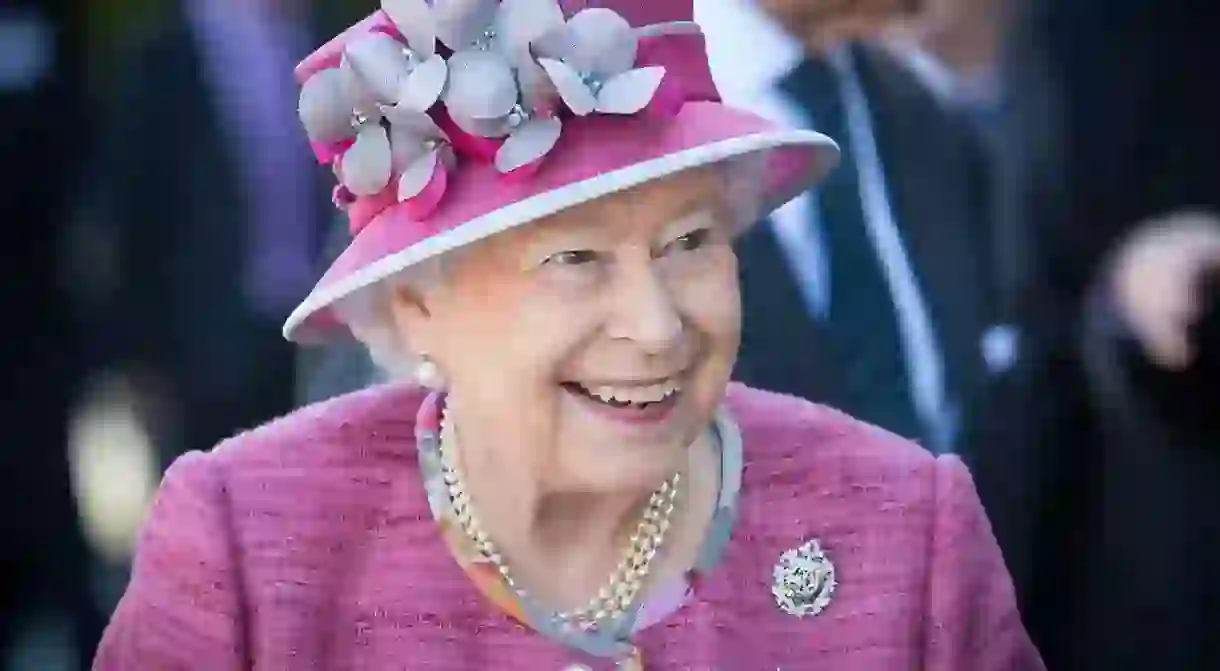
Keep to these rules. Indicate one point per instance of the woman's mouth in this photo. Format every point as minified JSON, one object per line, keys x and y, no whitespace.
{"x":628,"y":402}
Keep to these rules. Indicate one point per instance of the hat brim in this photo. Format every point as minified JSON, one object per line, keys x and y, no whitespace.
{"x":594,"y":158}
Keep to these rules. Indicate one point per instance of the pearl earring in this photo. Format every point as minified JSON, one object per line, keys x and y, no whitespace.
{"x":427,"y":374}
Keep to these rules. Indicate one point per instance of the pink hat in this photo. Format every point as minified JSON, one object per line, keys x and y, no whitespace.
{"x":447,"y":121}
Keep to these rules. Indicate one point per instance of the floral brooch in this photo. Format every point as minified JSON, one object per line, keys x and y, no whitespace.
{"x":804,"y":580}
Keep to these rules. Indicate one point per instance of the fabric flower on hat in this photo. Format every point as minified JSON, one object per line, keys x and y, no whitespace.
{"x":411,"y":76}
{"x":421,"y":153}
{"x":591,"y":62}
{"x":336,"y":110}
{"x":495,"y":87}
{"x":379,"y":78}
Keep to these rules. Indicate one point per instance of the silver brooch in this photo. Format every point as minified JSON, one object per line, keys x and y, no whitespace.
{"x":804,"y":580}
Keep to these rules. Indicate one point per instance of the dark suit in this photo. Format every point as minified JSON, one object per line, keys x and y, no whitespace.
{"x":1099,"y":471}
{"x":43,"y":558}
{"x":176,"y":202}
{"x":935,"y":172}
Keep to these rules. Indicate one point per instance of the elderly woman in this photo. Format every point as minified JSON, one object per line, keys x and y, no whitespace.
{"x":542,"y":199}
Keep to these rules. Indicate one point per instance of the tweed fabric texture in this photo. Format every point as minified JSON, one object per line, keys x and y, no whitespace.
{"x":308,"y":544}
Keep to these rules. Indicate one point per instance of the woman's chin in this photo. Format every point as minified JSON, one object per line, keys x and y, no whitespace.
{"x":626,"y":453}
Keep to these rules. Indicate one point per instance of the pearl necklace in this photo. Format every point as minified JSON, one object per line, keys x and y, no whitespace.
{"x":625,"y":583}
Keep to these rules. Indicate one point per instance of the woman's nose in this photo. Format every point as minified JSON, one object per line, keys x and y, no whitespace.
{"x":645,"y":312}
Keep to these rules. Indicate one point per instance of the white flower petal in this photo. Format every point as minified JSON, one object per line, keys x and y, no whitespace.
{"x":497,"y":127}
{"x":381,"y":66}
{"x":605,"y":42}
{"x":558,"y":43}
{"x":629,"y":92}
{"x":367,"y":165}
{"x":411,"y":136}
{"x":423,"y":87}
{"x":325,"y":108}
{"x":417,"y":175}
{"x":528,"y":143}
{"x":481,"y":85}
{"x":413,"y":19}
{"x":572,"y":89}
{"x":668,"y":28}
{"x":417,"y":124}
{"x":521,"y":21}
{"x":459,"y":23}
{"x":362,"y":99}
{"x":538,"y":93}
{"x":406,"y":149}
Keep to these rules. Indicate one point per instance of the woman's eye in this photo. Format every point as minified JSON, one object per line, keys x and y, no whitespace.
{"x":691,"y":241}
{"x":571,"y":258}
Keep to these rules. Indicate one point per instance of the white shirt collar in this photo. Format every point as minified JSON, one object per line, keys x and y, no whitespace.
{"x":946,"y":85}
{"x":736,"y":32}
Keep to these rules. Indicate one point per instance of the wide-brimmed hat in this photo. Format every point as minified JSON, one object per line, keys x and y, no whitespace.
{"x":447,"y":121}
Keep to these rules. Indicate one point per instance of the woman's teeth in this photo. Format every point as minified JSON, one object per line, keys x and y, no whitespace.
{"x":622,"y":395}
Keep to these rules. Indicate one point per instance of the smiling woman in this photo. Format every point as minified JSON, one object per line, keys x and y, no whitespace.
{"x":569,"y":480}
{"x":552,"y":338}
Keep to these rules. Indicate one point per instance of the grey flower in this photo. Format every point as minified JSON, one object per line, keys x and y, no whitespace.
{"x":378,"y":78}
{"x":504,"y":27}
{"x":591,"y":62}
{"x":420,"y":148}
{"x":335,"y":107}
{"x":495,"y":87}
{"x":411,"y":76}
{"x":332,"y":101}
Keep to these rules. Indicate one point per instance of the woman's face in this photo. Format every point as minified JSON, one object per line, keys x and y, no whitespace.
{"x":591,"y":347}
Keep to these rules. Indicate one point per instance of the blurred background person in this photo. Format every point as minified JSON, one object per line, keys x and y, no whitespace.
{"x":46,"y":617}
{"x":197,"y":230}
{"x":953,"y":47}
{"x":214,"y":212}
{"x":1098,"y":457}
{"x":163,"y":80}
{"x":873,"y":296}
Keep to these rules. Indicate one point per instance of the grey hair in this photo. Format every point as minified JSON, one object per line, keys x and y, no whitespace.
{"x":368,"y":312}
{"x":369,"y":316}
{"x":744,"y":179}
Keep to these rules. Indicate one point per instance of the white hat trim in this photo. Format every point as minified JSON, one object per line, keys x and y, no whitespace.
{"x":547,"y":203}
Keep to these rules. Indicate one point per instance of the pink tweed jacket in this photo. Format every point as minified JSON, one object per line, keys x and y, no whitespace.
{"x":308,"y":544}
